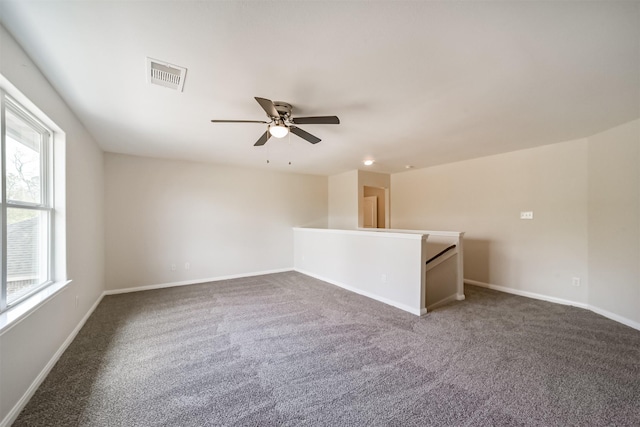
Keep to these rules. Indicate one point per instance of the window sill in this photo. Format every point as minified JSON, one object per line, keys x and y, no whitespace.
{"x":16,"y":314}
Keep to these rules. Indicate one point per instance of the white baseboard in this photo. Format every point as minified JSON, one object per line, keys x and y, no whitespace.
{"x":194,"y":282}
{"x":526,"y":294}
{"x":19,"y":406}
{"x":447,"y":300}
{"x":597,"y":310}
{"x":417,"y":312}
{"x":630,"y":323}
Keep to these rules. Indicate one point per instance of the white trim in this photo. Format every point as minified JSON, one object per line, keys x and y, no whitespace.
{"x":615,"y":317}
{"x":19,"y":406}
{"x":456,"y":234}
{"x":417,"y":312}
{"x":194,"y":282}
{"x":22,"y":310}
{"x":366,"y":232}
{"x":526,"y":294}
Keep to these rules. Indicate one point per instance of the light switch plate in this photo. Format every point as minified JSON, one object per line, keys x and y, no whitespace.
{"x":526,"y":215}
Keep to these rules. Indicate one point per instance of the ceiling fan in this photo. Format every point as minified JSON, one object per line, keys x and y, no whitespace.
{"x":281,"y":122}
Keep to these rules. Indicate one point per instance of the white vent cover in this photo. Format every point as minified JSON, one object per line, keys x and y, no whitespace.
{"x":163,"y":74}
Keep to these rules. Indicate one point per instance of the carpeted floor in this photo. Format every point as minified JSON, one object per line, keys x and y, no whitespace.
{"x":289,"y":350}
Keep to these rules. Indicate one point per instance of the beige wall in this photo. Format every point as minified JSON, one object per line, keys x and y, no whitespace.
{"x":484,"y":198}
{"x":614,"y":221}
{"x":343,"y":200}
{"x":26,"y":348}
{"x":346,"y":197}
{"x":585,"y":195}
{"x":221,"y":220}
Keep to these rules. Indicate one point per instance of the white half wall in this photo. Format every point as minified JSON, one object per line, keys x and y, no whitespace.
{"x":207,"y":221}
{"x":388,"y":267}
{"x":28,"y":347}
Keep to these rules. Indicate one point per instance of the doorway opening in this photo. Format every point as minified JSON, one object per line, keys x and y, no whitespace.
{"x":376,"y":207}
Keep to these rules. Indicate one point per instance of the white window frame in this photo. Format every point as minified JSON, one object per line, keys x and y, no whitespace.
{"x":46,"y":204}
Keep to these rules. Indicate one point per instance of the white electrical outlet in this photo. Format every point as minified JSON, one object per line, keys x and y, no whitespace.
{"x":187,"y":265}
{"x":526,"y":215}
{"x":383,"y":278}
{"x":575,"y":281}
{"x":173,"y":267}
{"x":77,"y":300}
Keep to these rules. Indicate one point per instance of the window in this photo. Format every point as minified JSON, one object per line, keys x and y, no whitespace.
{"x":27,"y":203}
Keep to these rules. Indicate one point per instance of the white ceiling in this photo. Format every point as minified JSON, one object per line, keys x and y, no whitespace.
{"x":414,"y":83}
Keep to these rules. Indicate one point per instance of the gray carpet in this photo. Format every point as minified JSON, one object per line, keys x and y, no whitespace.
{"x":289,"y":350}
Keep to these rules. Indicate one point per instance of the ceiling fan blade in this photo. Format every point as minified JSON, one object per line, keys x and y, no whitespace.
{"x":263,"y":139}
{"x":268,"y":106}
{"x":322,"y":120}
{"x":238,"y":121}
{"x":305,"y":135}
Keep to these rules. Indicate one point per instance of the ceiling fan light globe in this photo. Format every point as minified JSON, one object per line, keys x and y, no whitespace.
{"x":278,"y":131}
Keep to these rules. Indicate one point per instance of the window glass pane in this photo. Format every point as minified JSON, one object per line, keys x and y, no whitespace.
{"x":23,"y":148}
{"x":27,"y":232}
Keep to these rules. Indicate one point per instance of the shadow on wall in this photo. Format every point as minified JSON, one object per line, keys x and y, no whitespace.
{"x":476,"y":260}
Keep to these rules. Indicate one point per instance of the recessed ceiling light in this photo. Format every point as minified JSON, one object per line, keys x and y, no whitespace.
{"x":368,"y":162}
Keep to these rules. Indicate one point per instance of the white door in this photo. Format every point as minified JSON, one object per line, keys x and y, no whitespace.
{"x":370,"y":212}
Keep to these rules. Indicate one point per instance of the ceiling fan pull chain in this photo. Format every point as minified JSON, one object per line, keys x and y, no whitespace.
{"x":289,"y":149}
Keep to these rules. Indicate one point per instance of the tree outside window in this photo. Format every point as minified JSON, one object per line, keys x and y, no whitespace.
{"x":26,"y":204}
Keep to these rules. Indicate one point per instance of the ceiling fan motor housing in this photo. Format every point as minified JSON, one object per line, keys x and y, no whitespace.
{"x":283,"y":108}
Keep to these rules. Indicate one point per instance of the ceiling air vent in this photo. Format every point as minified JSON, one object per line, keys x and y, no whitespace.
{"x":164,"y":74}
